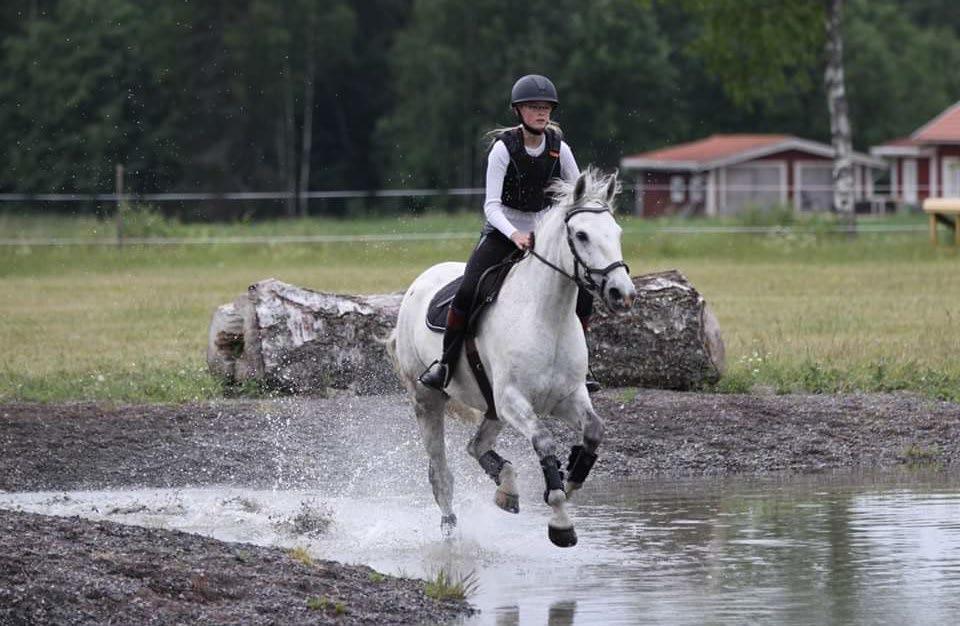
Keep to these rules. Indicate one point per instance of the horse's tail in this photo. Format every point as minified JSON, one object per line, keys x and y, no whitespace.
{"x":390,"y":343}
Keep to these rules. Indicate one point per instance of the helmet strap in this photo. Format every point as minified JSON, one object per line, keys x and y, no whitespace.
{"x":527,"y":127}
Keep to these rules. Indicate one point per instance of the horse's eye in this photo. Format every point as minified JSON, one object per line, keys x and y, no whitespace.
{"x":582,"y":236}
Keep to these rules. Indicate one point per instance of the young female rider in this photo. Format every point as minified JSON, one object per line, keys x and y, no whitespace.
{"x":522,"y":162}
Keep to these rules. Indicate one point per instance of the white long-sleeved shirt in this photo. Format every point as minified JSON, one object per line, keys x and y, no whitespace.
{"x":503,"y":218}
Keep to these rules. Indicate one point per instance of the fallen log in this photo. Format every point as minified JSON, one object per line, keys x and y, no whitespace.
{"x":301,"y":341}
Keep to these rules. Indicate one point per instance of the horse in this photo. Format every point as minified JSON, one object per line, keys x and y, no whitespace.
{"x":532,"y":348}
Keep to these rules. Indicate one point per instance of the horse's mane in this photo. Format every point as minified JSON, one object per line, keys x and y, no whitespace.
{"x":595,"y":190}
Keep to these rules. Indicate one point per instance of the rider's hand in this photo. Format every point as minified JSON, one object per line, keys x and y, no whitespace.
{"x":522,"y":239}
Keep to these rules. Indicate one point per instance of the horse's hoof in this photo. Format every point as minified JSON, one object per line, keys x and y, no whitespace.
{"x":447,"y":525}
{"x":562,"y":537}
{"x":509,"y":502}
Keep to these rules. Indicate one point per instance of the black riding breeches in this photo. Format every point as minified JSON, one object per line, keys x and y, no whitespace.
{"x":493,"y":248}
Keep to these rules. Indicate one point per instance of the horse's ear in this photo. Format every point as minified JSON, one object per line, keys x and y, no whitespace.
{"x":579,"y":188}
{"x":612,"y":186}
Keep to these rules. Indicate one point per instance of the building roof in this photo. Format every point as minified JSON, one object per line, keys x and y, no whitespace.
{"x":712,"y":148}
{"x":902,"y":146}
{"x":944,"y":128}
{"x":720,"y":150}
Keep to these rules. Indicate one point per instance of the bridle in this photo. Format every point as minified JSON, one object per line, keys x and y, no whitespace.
{"x":588,"y":281}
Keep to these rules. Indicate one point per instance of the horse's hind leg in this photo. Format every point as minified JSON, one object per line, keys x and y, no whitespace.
{"x":429,"y":410}
{"x":507,"y":497}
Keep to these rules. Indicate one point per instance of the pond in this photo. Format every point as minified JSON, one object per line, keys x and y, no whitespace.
{"x":851,"y":548}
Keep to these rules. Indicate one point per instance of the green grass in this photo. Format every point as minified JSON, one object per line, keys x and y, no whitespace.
{"x":323,"y":603}
{"x":810,"y":311}
{"x":300,"y":555}
{"x":445,"y":586}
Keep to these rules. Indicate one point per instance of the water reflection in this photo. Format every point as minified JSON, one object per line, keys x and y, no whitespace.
{"x":832,"y":549}
{"x":560,"y":613}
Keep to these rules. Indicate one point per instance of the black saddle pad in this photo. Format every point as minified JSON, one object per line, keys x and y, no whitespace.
{"x":488,"y":288}
{"x":440,"y":304}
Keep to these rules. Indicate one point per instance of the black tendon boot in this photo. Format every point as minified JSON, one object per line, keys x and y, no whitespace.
{"x":440,"y":372}
{"x":591,"y":382}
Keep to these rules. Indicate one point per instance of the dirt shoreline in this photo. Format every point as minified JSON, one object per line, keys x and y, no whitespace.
{"x":72,"y":571}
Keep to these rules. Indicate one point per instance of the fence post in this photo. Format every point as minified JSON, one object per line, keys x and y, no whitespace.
{"x":119,"y":193}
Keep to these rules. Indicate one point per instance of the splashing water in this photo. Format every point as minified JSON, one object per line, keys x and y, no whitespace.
{"x":838,"y":548}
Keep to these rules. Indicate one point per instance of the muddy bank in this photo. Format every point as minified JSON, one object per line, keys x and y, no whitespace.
{"x":57,"y":570}
{"x":299,"y":443}
{"x":72,"y":571}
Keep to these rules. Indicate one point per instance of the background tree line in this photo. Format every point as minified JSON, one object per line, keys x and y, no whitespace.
{"x":267,"y":95}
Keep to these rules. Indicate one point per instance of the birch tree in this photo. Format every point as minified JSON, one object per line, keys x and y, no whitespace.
{"x":761,"y":50}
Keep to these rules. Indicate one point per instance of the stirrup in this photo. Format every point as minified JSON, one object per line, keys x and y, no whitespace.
{"x":591,"y":383}
{"x":435,"y":377}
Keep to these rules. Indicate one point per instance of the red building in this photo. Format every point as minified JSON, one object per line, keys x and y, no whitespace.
{"x":927,"y":163}
{"x":724,"y":174}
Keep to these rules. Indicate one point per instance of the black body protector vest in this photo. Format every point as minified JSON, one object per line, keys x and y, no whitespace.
{"x":524,"y":187}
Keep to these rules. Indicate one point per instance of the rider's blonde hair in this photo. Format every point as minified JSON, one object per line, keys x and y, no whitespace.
{"x":491,"y":135}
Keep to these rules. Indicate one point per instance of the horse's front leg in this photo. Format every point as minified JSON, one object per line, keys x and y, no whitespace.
{"x":516,"y":409}
{"x":507,"y":496}
{"x":577,"y":410}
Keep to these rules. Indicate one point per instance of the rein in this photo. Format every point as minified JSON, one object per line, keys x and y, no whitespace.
{"x":589,"y":283}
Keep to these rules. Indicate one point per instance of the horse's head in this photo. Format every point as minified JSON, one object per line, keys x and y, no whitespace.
{"x":593,"y":237}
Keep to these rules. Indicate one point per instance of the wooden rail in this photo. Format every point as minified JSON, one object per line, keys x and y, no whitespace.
{"x":947,"y":212}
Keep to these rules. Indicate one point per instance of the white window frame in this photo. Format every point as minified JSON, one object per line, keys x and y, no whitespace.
{"x":798,"y":167}
{"x":779,"y":164}
{"x":678,"y":189}
{"x":932,"y":176}
{"x":697,"y":188}
{"x":951,"y":185}
{"x":910,"y":181}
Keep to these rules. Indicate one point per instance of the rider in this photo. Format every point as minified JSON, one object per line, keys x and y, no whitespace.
{"x":522,"y":162}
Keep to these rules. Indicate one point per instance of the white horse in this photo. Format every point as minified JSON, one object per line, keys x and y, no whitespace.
{"x":532,"y":348}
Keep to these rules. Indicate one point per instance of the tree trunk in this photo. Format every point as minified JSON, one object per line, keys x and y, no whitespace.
{"x":303,"y":341}
{"x":306,"y":142}
{"x":290,"y":143}
{"x":839,"y":120}
{"x":669,"y":340}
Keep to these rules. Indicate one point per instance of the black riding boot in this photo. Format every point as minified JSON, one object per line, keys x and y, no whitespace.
{"x":591,"y":382}
{"x":440,"y":372}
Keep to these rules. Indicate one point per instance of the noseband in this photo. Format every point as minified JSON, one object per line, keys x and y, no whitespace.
{"x":588,"y":281}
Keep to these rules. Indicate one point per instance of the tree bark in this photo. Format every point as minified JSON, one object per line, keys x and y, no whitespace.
{"x":306,"y":142}
{"x":290,"y":141}
{"x":669,"y":340}
{"x":840,"y":132}
{"x":302,"y":341}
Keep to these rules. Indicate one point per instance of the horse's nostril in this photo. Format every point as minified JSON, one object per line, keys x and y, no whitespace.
{"x":615,"y":294}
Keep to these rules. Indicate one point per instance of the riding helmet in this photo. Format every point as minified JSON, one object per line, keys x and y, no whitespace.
{"x":533,"y":88}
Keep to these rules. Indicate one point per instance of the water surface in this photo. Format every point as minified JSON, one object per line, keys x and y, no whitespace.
{"x":879,"y":548}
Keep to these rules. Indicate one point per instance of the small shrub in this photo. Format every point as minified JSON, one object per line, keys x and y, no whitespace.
{"x":443,"y":586}
{"x":144,"y":220}
{"x":322,"y":604}
{"x":754,"y":215}
{"x":916,"y":455}
{"x":300,"y":555}
{"x":377,"y":577}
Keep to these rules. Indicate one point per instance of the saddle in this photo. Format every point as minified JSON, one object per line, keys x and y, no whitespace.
{"x":486,"y":292}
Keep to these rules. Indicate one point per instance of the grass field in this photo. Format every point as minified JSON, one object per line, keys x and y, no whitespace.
{"x":809,"y":310}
